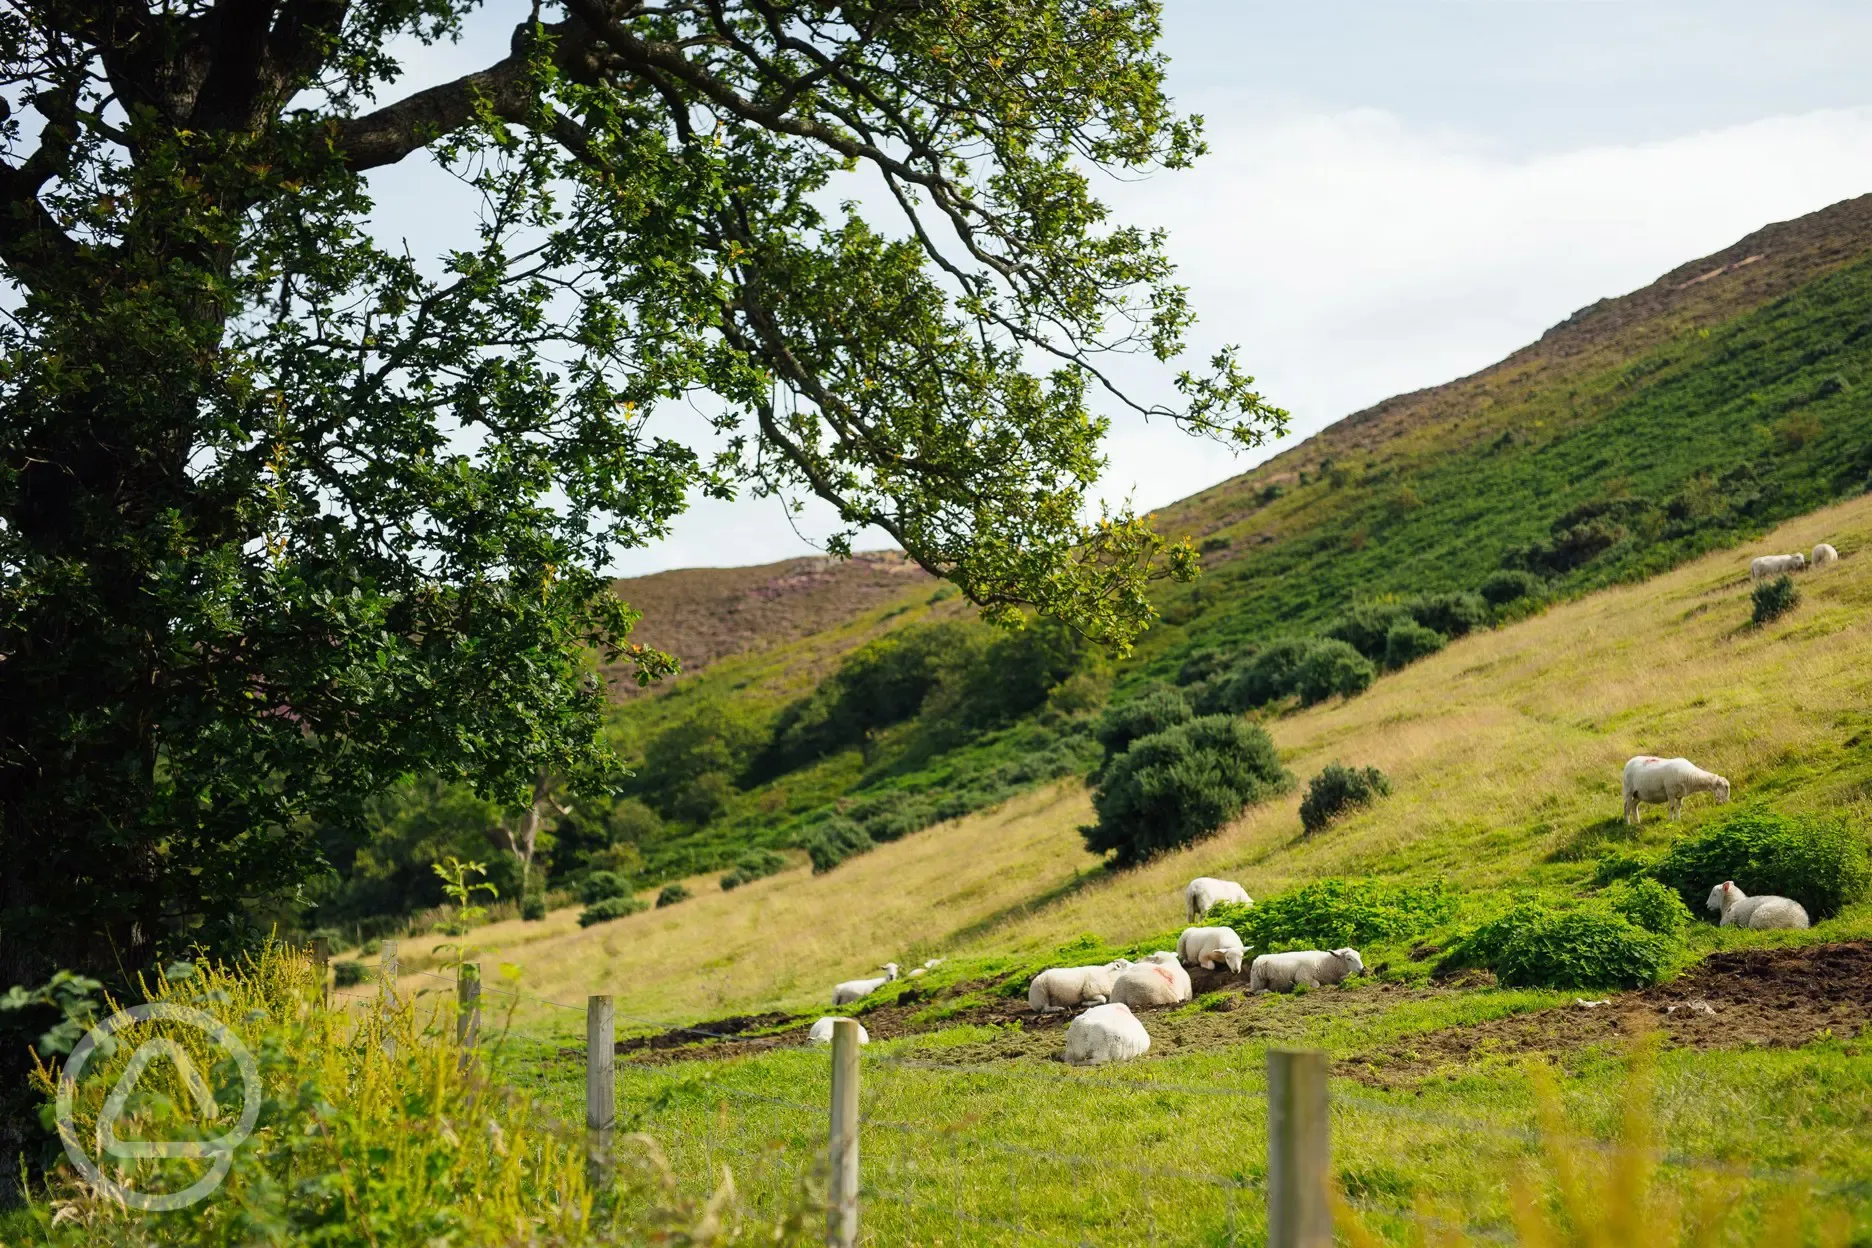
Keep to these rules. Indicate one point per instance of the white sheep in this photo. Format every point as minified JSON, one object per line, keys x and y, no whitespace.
{"x":925,"y":969}
{"x":1105,"y":1033}
{"x":1767,"y":567}
{"x":852,"y":989}
{"x":1063,"y":987}
{"x":1738,"y":909}
{"x":821,"y":1032}
{"x":1203,"y":892}
{"x":1279,"y":972}
{"x":1155,"y":980}
{"x":1205,"y":946}
{"x":1667,"y":780}
{"x":1822,"y":556}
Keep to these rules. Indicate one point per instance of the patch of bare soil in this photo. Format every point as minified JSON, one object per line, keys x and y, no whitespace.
{"x":1779,"y":998}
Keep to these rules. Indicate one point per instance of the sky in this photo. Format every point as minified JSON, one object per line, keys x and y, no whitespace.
{"x":1400,"y":192}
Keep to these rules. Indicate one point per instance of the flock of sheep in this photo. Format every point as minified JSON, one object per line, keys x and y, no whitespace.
{"x":1109,"y":1031}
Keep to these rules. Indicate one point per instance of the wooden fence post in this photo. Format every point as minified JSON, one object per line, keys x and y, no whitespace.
{"x":600,"y":1089}
{"x":321,"y":954}
{"x":842,"y":1150}
{"x":468,"y":1009}
{"x":387,"y":988}
{"x":1299,"y":1151}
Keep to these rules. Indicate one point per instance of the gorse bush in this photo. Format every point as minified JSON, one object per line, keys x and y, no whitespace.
{"x":671,"y":895}
{"x":1332,"y":669}
{"x":835,"y":840}
{"x":1182,"y":784}
{"x":1156,"y":707}
{"x":533,"y":907}
{"x":1337,"y":789}
{"x":755,"y":864}
{"x":611,"y":908}
{"x":1507,"y":585}
{"x":347,"y":974}
{"x":603,"y":885}
{"x":1650,"y":905}
{"x":1819,"y":862}
{"x":1336,"y":912}
{"x":1774,"y":599}
{"x":1409,"y":641}
{"x":1266,"y":676}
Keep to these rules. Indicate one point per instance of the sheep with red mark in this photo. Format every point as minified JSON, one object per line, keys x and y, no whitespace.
{"x":1667,"y":781}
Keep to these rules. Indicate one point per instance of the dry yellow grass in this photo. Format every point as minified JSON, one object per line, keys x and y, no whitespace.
{"x":1502,"y":748}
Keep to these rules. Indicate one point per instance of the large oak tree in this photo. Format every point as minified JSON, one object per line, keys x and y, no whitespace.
{"x":286,"y":512}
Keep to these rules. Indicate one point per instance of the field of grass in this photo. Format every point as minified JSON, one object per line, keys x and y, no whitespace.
{"x":1505,"y":751}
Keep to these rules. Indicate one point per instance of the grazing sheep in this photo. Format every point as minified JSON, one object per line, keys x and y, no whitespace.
{"x":1822,"y":556}
{"x":1062,"y":987}
{"x":1156,"y":980}
{"x":821,"y":1032}
{"x":1105,"y":1033}
{"x":1203,"y":892}
{"x":852,"y":989}
{"x":1767,"y":567}
{"x":1205,"y":946}
{"x":1279,"y":972}
{"x":1741,"y":910}
{"x":1652,"y":779}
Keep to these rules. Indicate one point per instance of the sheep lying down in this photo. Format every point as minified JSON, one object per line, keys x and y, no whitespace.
{"x":821,"y":1032}
{"x":1157,"y":979}
{"x":1207,"y":946}
{"x":1065,"y":987}
{"x":1311,"y":968}
{"x":1738,"y":909}
{"x":1105,"y":1033}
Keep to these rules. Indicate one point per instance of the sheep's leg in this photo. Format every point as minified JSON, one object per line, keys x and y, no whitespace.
{"x":1632,"y":815}
{"x":1676,"y":807}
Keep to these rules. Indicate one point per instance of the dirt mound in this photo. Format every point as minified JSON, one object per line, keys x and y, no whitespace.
{"x":1780,"y":998}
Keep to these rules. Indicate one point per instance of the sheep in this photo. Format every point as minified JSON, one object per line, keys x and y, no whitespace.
{"x":1156,"y":980}
{"x":925,"y":969}
{"x":1105,"y":1033}
{"x":1823,"y":555}
{"x":1278,"y":972}
{"x":821,"y":1032}
{"x":1767,"y":567}
{"x":1203,"y":892}
{"x":1741,"y":910}
{"x":852,"y":989}
{"x":1652,"y":779}
{"x":1063,"y":987}
{"x":1205,"y":946}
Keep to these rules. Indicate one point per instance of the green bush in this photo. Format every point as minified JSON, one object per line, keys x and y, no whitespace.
{"x":1454,"y":615}
{"x":1620,"y":864}
{"x":671,"y":894}
{"x":611,"y":908}
{"x":533,"y":907}
{"x":347,"y":974}
{"x":1774,"y":599}
{"x":1331,"y":913}
{"x":1157,"y":707}
{"x":1483,"y":945}
{"x":1266,"y":676}
{"x":833,"y":841}
{"x":1337,"y":789}
{"x":1498,"y":589}
{"x":1365,"y":627}
{"x":600,"y":886}
{"x":754,"y":864}
{"x":1587,"y":947}
{"x":1819,"y":862}
{"x":1409,"y":641}
{"x":1650,"y":905}
{"x":1180,"y":785}
{"x":1332,"y":668}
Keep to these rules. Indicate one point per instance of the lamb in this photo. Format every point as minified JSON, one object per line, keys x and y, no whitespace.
{"x":821,"y":1032}
{"x":1767,"y":567}
{"x":852,"y":989}
{"x":1279,"y":972}
{"x":1063,"y":987}
{"x":1205,"y":946}
{"x":1741,"y":910}
{"x":926,"y":968}
{"x":1652,"y":779}
{"x":1203,"y":892}
{"x":1823,"y":555}
{"x":1105,"y":1033}
{"x":1156,"y":980}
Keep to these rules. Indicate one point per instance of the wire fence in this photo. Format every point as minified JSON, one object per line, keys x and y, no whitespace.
{"x":1032,"y":1152}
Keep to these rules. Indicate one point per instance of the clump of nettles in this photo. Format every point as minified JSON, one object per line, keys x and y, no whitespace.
{"x":1774,"y":599}
{"x":1338,"y":789}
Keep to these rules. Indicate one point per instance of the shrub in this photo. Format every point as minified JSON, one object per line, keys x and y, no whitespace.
{"x":671,"y":894}
{"x":330,"y":937}
{"x":1409,"y":641}
{"x":1587,"y":947}
{"x":1335,"y":912}
{"x":611,"y":908}
{"x":1650,"y":905}
{"x":600,"y":886}
{"x":1337,"y":789}
{"x":1202,"y":665}
{"x":1267,"y":676}
{"x":1156,"y":708}
{"x":533,"y":907}
{"x":833,"y":841}
{"x":1483,"y":945}
{"x":1177,"y":786}
{"x":1819,"y":862}
{"x":754,"y":864}
{"x":1620,"y":864}
{"x":1774,"y":599}
{"x":1498,"y":589}
{"x":347,"y":974}
{"x":1365,"y":627}
{"x":1453,"y":615}
{"x":1330,"y":668}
